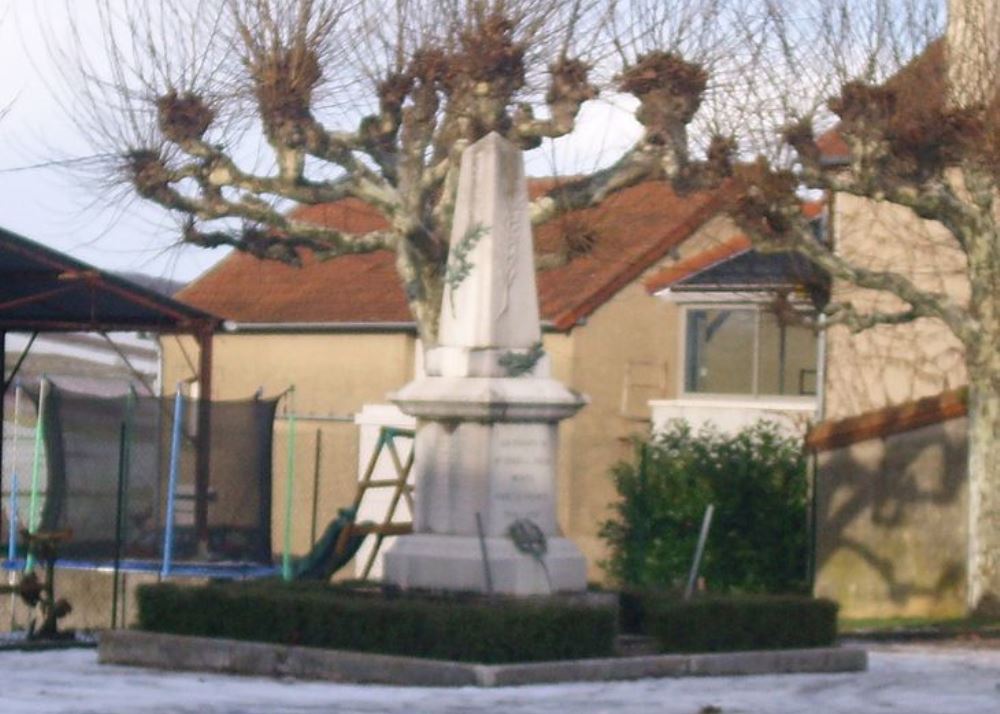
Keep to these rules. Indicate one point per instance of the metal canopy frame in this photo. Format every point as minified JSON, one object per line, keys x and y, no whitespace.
{"x":43,"y":290}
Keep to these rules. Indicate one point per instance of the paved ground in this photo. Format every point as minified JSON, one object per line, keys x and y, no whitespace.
{"x":915,"y":679}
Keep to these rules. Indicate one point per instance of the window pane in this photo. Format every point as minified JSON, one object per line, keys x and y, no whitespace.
{"x":720,"y":346}
{"x":787,"y":358}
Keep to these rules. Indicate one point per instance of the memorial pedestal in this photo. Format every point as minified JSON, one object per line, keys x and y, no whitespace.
{"x":485,"y":450}
{"x":452,"y":562}
{"x":487,"y":410}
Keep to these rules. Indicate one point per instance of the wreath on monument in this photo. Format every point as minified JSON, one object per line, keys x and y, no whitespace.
{"x":529,"y":539}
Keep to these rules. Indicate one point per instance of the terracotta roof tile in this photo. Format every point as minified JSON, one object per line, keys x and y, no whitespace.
{"x":813,"y":209}
{"x":631,"y":230}
{"x":349,"y":215}
{"x":832,"y":147}
{"x":696,"y":263}
{"x":890,"y":420}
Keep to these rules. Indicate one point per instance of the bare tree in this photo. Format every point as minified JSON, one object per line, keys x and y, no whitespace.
{"x":374,"y":100}
{"x":925,"y":137}
{"x":377,"y":100}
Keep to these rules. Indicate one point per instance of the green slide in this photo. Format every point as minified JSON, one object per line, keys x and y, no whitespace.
{"x":323,"y":560}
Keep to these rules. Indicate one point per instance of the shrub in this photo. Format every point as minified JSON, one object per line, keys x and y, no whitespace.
{"x":472,"y":629}
{"x":757,"y":482}
{"x":747,"y":622}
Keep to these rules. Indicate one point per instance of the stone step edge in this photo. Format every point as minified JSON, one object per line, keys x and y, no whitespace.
{"x":181,"y":652}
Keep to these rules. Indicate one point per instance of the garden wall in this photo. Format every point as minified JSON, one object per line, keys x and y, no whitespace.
{"x":891,"y":510}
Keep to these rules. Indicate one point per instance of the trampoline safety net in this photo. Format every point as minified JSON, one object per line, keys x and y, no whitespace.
{"x":91,"y":442}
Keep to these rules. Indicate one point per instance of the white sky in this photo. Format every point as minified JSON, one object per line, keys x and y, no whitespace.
{"x":55,"y":206}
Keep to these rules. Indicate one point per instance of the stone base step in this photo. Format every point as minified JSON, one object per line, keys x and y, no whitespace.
{"x":635,"y":646}
{"x":147,"y":649}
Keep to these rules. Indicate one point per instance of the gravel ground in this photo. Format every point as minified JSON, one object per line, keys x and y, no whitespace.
{"x":938,"y":678}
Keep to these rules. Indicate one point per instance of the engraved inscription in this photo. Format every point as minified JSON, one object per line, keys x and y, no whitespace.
{"x":522,"y":475}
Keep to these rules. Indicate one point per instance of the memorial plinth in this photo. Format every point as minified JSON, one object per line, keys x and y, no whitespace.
{"x":487,"y":408}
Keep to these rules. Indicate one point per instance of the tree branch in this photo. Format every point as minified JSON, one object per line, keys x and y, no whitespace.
{"x":641,"y":163}
{"x":921,"y":302}
{"x":930,"y":198}
{"x":569,"y":88}
{"x":265,"y":243}
{"x":846,"y":314}
{"x":280,"y":236}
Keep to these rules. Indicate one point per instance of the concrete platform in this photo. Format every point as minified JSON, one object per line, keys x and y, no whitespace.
{"x":173,"y":652}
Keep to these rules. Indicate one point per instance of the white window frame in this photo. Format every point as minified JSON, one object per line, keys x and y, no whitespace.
{"x":757,"y":306}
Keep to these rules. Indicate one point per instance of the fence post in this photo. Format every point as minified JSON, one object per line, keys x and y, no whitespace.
{"x":706,"y":523}
{"x":175,"y":457}
{"x":36,"y":467}
{"x":286,"y":555}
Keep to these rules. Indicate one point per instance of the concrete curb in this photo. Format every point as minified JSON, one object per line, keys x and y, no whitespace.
{"x":147,"y":649}
{"x":45,"y":646}
{"x":17,"y":641}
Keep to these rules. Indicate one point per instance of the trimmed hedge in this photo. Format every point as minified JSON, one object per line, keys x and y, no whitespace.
{"x":466,"y":629}
{"x":729,"y":624}
{"x":756,"y":480}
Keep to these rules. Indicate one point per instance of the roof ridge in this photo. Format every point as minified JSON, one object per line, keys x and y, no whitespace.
{"x":639,"y":225}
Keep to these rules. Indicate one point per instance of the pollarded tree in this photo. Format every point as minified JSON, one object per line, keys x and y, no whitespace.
{"x":377,"y":100}
{"x":925,"y":139}
{"x":374,"y":100}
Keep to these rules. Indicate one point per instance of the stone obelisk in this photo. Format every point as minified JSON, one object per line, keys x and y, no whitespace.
{"x":487,"y":409}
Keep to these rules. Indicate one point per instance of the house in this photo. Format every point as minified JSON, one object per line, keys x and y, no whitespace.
{"x":892,"y":493}
{"x":339,"y":331}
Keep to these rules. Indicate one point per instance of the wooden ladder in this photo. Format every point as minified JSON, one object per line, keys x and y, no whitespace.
{"x":401,"y":490}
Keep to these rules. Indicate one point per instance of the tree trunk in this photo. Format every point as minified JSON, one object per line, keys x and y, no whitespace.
{"x":984,"y":488}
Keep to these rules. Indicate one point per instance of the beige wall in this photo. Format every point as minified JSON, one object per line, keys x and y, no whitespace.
{"x":892,"y":364}
{"x":891,"y":519}
{"x":626,"y":354}
{"x":335,"y":372}
{"x":891,"y":524}
{"x":90,"y":593}
{"x":620,"y":359}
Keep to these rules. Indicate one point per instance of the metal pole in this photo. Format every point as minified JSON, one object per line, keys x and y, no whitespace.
{"x":36,"y":468}
{"x":130,"y":409}
{"x":706,"y":523}
{"x":286,"y":554}
{"x":3,"y":399}
{"x":12,"y":501}
{"x":316,"y":474}
{"x":119,"y":520}
{"x":175,"y":458}
{"x":203,"y":465}
{"x":486,"y":559}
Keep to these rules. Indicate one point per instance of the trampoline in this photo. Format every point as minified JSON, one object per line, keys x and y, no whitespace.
{"x":216,"y":571}
{"x":120,"y":473}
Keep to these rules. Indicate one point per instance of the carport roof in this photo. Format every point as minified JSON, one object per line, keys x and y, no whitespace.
{"x":43,"y":290}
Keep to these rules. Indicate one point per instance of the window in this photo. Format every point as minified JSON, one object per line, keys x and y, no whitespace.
{"x":747,"y":350}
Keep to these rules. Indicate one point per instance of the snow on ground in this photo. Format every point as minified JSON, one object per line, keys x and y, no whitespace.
{"x":910,"y":679}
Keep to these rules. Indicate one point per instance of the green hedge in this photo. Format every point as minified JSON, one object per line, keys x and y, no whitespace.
{"x":453,"y":628}
{"x":756,"y":480}
{"x":729,"y":624}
